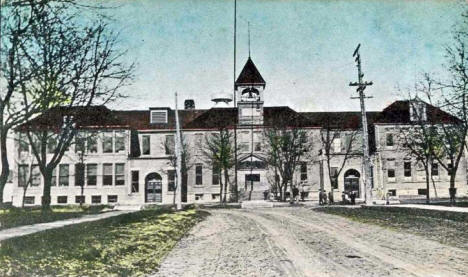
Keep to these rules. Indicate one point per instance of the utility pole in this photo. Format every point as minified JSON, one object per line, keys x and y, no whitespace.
{"x":361,"y":86}
{"x":236,"y":191}
{"x":178,"y":158}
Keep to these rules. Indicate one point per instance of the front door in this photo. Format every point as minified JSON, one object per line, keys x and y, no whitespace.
{"x":352,"y":184}
{"x":154,"y":191}
{"x":250,"y":180}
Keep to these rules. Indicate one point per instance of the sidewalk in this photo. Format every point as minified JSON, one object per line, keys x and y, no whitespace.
{"x":431,"y":207}
{"x":30,"y":229}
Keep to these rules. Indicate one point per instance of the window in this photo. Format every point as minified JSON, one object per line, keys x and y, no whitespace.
{"x":79,"y":174}
{"x":36,"y":176}
{"x":198,"y":174}
{"x":198,"y":143}
{"x":158,"y":117}
{"x":62,"y":199}
{"x":64,"y":175}
{"x":418,"y":111}
{"x":96,"y":199}
{"x":303,"y":171}
{"x":258,"y":146}
{"x":92,"y":143}
{"x":23,"y":172}
{"x":171,"y":174}
{"x":107,"y":174}
{"x":198,"y":197}
{"x":54,"y":177}
{"x":337,"y":145}
{"x":119,"y":174}
{"x":112,"y":199}
{"x":392,"y":192}
{"x":145,"y":141}
{"x":135,"y":181}
{"x":422,"y":191}
{"x":334,"y":174}
{"x":389,"y":140}
{"x":215,"y":196}
{"x":407,"y":169}
{"x":10,"y":176}
{"x":29,"y":200}
{"x":80,"y":199}
{"x":80,"y":142}
{"x":107,"y":142}
{"x":449,"y":168}
{"x":23,"y":143}
{"x":435,"y":169}
{"x":51,"y":145}
{"x":243,"y":147}
{"x":391,"y":173}
{"x":169,"y":145}
{"x":257,"y":141}
{"x":215,"y":175}
{"x":119,"y":142}
{"x":91,"y":174}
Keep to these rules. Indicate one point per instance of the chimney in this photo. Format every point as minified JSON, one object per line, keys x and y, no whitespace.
{"x":189,"y":104}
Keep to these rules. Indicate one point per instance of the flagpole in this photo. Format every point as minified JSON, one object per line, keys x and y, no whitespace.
{"x":178,"y":158}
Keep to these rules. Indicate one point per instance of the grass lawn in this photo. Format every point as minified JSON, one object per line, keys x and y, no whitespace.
{"x":14,"y":217}
{"x":126,"y":245}
{"x":426,"y":223}
{"x":460,"y":203}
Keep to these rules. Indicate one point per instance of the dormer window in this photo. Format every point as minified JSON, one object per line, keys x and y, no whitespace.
{"x":158,"y":116}
{"x":418,"y":111}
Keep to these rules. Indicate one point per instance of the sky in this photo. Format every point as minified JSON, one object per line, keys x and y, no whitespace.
{"x":303,"y":49}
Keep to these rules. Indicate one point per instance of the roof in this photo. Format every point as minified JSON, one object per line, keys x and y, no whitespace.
{"x":84,"y":117}
{"x":215,"y":118}
{"x":250,"y":76}
{"x":399,"y":112}
{"x":340,"y":120}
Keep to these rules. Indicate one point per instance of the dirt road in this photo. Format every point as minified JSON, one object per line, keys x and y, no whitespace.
{"x":302,"y":242}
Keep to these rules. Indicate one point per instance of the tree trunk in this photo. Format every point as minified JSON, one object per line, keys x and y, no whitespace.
{"x":285,"y":187}
{"x":428,"y":197}
{"x":25,"y":189}
{"x":46,"y":191}
{"x":226,"y":180}
{"x":452,"y":186}
{"x":5,"y":164}
{"x":220,"y":191}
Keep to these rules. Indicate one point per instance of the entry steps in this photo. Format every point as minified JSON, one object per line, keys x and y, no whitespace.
{"x":253,"y":204}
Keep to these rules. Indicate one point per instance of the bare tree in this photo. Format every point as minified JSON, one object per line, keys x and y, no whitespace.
{"x":77,"y":66}
{"x":419,"y":140}
{"x":285,"y":146}
{"x":330,"y":133}
{"x":15,"y":21}
{"x":186,"y":159}
{"x":218,"y":149}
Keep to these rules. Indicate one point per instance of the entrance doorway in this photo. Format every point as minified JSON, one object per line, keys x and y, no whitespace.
{"x":153,"y":188}
{"x":251,"y":179}
{"x":351,"y":181}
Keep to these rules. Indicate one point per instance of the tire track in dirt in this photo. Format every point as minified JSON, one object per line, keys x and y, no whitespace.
{"x":310,"y":260}
{"x":371,"y":248}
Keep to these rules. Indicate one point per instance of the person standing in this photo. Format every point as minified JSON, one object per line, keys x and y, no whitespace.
{"x":330,"y":197}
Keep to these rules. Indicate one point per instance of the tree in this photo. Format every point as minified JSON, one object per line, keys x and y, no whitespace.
{"x":15,"y":22}
{"x":77,"y":66}
{"x":329,"y":134}
{"x":218,"y":149}
{"x":285,"y":146}
{"x":186,"y":159}
{"x":419,"y":140}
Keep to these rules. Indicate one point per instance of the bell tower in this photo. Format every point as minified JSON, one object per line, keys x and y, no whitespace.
{"x":249,"y":88}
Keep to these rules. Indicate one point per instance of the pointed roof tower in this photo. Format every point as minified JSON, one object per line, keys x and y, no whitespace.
{"x":250,"y":76}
